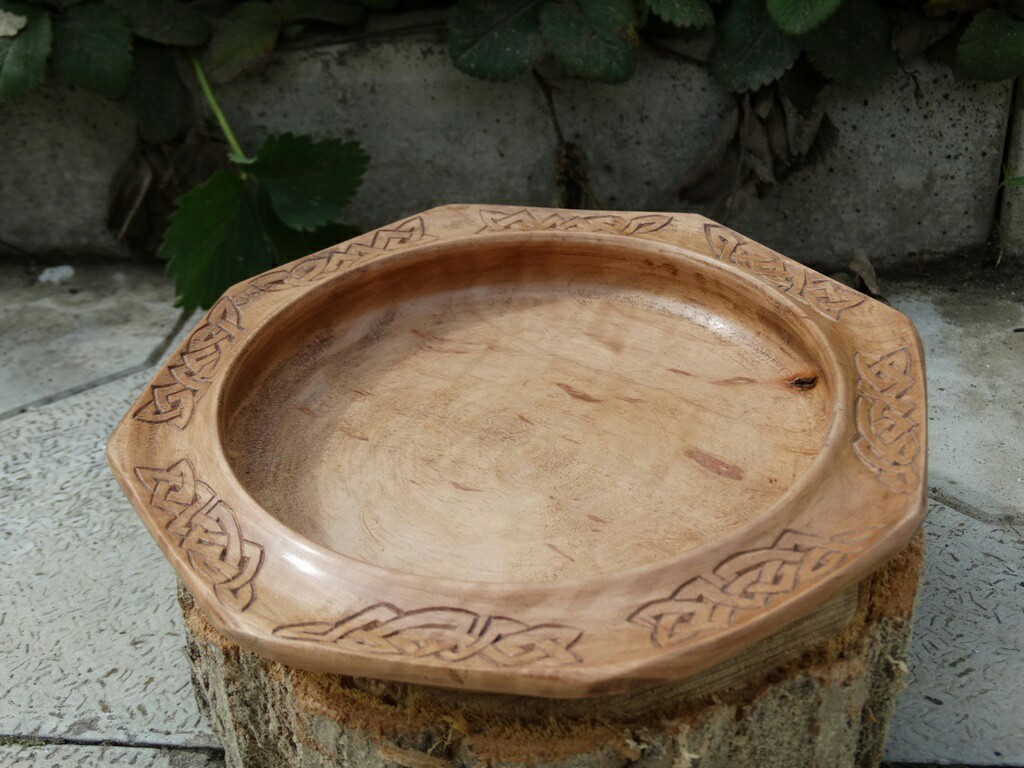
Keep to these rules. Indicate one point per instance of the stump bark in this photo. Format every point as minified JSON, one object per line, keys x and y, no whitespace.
{"x":820,"y":694}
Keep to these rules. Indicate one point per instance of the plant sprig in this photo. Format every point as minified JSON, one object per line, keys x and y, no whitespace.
{"x":263,"y":210}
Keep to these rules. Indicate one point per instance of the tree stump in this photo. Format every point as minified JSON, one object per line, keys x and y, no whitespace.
{"x":818,"y":694}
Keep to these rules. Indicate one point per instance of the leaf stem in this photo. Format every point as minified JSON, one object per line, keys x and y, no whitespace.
{"x":222,"y":121}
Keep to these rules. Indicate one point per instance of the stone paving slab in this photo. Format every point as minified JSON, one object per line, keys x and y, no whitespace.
{"x":975,"y":361}
{"x":90,"y":640}
{"x":965,"y":697}
{"x":56,"y":336}
{"x":90,"y":636}
{"x":79,"y":756}
{"x":964,"y":700}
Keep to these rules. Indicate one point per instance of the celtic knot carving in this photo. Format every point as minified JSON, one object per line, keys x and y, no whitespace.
{"x":205,"y":528}
{"x":824,"y":295}
{"x":312,"y":269}
{"x":745,"y":582}
{"x":448,"y":634}
{"x":888,"y":418}
{"x":526,"y":220}
{"x":178,"y":387}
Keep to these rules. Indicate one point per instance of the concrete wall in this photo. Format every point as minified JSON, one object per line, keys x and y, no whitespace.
{"x":916,"y":168}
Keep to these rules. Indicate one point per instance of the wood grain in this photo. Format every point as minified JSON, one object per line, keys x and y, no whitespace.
{"x":549,"y":452}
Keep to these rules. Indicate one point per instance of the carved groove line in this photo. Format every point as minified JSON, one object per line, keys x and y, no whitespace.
{"x":888,"y":418}
{"x":314,"y":268}
{"x":175,"y":391}
{"x":824,"y":295}
{"x":206,"y":529}
{"x":745,"y":582}
{"x":447,"y":634}
{"x":526,"y":220}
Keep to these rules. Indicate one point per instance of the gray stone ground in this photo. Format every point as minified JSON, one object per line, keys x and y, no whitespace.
{"x":90,"y":640}
{"x":68,"y":332}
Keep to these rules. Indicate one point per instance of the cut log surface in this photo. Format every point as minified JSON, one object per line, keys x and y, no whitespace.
{"x":817,"y":694}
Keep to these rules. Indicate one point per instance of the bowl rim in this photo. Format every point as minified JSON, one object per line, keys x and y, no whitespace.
{"x":273,"y":590}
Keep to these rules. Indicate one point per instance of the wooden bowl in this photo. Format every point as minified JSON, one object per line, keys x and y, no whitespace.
{"x":556,"y":453}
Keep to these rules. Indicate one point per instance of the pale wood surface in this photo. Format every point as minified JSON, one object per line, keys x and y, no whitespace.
{"x":523,"y":450}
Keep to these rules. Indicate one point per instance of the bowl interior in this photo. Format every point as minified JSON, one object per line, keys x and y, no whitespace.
{"x":525,"y":411}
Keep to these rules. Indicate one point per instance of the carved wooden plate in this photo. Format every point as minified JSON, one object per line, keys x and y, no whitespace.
{"x":548,"y":452}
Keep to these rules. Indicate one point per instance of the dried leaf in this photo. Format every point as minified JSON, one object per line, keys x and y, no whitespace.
{"x":755,"y":152}
{"x":861,"y":266}
{"x":919,"y":34}
{"x":128,"y":192}
{"x":778,"y":135}
{"x":171,"y":170}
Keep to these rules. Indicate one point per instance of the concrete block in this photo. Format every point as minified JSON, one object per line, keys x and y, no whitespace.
{"x":916,"y":169}
{"x":58,"y":334}
{"x":61,"y":148}
{"x":90,"y":636}
{"x":641,"y":136}
{"x":434,"y":134}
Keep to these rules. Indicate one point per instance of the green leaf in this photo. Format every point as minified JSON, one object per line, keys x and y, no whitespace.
{"x":595,"y":39}
{"x":243,"y":39}
{"x":495,"y":39}
{"x":1009,"y":180}
{"x":379,"y":5}
{"x":214,"y":240}
{"x":992,"y":47}
{"x":93,"y":49}
{"x":696,"y":14}
{"x":854,"y":46}
{"x":309,"y":181}
{"x":798,"y":17}
{"x":165,"y":21}
{"x":23,"y":57}
{"x":337,"y":12}
{"x":290,"y":244}
{"x":162,"y":104}
{"x":750,"y":51}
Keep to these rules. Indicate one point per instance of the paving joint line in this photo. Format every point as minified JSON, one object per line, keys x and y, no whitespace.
{"x":967,"y":509}
{"x":154,"y":357}
{"x":7,"y":739}
{"x":71,"y":391}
